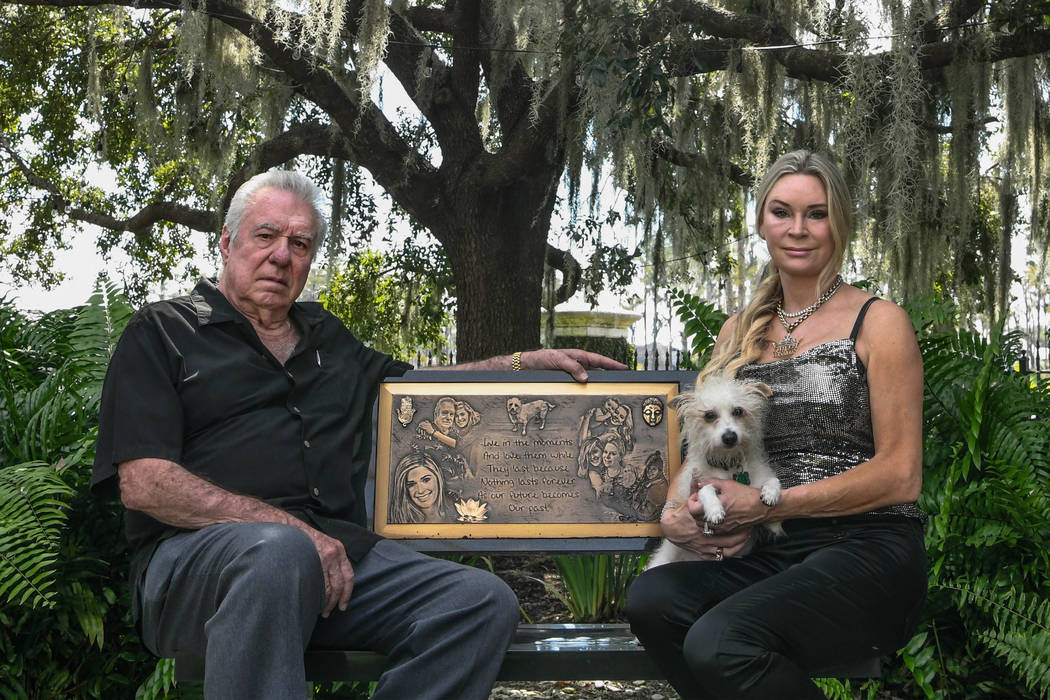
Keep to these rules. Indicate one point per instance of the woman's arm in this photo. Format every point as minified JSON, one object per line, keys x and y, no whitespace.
{"x":426,"y":428}
{"x":893,"y":475}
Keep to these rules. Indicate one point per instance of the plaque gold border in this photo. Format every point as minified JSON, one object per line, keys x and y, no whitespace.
{"x":387,"y":391}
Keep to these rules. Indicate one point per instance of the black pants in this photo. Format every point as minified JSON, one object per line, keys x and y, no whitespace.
{"x":832,"y":591}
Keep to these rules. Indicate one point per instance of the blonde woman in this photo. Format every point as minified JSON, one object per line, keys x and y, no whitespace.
{"x":419,"y":491}
{"x":844,"y":433}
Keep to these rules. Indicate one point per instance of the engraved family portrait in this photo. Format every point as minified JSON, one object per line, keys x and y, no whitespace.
{"x":507,"y":458}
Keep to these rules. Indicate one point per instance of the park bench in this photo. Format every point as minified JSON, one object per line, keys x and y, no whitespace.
{"x":539,"y":652}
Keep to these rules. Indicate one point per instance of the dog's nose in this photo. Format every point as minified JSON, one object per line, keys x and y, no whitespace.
{"x":729,"y":438}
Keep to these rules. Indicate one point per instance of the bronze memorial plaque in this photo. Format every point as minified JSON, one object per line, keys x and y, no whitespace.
{"x":520,"y":459}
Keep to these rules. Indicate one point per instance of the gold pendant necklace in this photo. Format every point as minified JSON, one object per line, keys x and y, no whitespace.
{"x":788,"y":345}
{"x":785,"y":347}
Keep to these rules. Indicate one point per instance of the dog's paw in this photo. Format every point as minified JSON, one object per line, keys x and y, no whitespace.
{"x":770,"y":493}
{"x":714,"y":511}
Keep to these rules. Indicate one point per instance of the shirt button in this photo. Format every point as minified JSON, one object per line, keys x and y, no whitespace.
{"x":306,"y":442}
{"x":317,"y":491}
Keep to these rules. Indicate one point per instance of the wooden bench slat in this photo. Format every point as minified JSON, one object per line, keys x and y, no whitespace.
{"x":548,"y":652}
{"x":545,"y":546}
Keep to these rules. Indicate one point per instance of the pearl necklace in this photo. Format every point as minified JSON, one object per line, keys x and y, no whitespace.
{"x":788,"y":346}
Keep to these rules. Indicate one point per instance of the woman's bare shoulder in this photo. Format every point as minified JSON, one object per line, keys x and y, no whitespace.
{"x":729,"y":326}
{"x":885,"y":314}
{"x":887,"y":331}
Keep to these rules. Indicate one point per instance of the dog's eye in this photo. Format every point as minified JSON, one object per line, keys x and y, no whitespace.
{"x":710,"y":416}
{"x":737,"y":412}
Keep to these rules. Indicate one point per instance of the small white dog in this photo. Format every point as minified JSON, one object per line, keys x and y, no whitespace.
{"x":722,"y":433}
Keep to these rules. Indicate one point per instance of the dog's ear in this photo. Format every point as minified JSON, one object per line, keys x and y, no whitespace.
{"x":682,"y":401}
{"x":760,"y":388}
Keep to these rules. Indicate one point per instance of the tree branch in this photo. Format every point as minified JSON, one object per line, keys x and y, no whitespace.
{"x":701,"y":163}
{"x":429,"y":19}
{"x":307,"y":138}
{"x":510,"y":84}
{"x":707,"y":55}
{"x":564,"y":262}
{"x":139,"y":224}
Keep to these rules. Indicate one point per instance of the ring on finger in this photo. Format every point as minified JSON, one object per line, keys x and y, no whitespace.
{"x":718,"y":554}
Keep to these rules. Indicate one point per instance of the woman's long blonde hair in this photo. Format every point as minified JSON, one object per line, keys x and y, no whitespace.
{"x":749,"y":336}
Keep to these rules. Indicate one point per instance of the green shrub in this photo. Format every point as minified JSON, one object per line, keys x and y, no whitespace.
{"x":595,"y":584}
{"x":65,"y":630}
{"x":987,"y":476}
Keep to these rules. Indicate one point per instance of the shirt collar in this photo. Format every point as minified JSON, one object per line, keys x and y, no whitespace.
{"x":212,"y":306}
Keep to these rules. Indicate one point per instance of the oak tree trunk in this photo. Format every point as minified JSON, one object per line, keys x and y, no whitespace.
{"x":496,"y":241}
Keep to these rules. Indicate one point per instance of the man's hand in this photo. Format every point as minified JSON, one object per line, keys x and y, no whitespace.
{"x":575,"y":362}
{"x":338,"y":573}
{"x":166,"y":491}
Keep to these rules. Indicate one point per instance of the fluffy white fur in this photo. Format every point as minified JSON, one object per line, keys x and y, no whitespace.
{"x":722,"y":433}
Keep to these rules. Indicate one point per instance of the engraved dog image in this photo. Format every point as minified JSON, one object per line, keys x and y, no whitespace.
{"x":521,"y":413}
{"x":722,"y":431}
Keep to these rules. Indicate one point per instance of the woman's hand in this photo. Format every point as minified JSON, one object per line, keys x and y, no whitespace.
{"x":683,"y":528}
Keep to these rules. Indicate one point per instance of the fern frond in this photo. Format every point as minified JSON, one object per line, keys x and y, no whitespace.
{"x":97,"y":328}
{"x":90,"y":612}
{"x":1020,"y":629}
{"x":158,"y":684}
{"x":33,"y":501}
{"x":701,"y":320}
{"x":1017,"y":426}
{"x":42,"y":418}
{"x":51,"y":374}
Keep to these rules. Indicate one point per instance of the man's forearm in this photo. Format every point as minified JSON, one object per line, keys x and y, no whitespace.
{"x":500,"y":363}
{"x":169,"y":493}
{"x":575,"y":362}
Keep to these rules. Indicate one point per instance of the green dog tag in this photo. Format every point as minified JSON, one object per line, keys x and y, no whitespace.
{"x":742,"y":478}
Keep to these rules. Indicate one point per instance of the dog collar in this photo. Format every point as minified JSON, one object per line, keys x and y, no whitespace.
{"x":736,"y":468}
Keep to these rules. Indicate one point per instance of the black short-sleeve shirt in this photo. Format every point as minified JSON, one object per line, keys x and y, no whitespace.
{"x":190,"y":382}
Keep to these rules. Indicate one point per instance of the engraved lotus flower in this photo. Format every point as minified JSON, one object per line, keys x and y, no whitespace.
{"x":472,"y":510}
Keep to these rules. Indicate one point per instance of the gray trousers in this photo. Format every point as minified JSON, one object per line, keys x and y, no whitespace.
{"x":247,"y":597}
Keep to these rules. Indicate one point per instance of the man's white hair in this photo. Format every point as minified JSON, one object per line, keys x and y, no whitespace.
{"x":285,"y":181}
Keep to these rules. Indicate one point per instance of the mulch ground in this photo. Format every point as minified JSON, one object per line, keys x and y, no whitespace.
{"x":525,"y":574}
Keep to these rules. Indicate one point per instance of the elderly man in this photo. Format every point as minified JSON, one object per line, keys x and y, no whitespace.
{"x":236,"y":429}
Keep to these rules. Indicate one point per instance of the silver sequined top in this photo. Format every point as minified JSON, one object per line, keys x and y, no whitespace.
{"x":819,"y":420}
